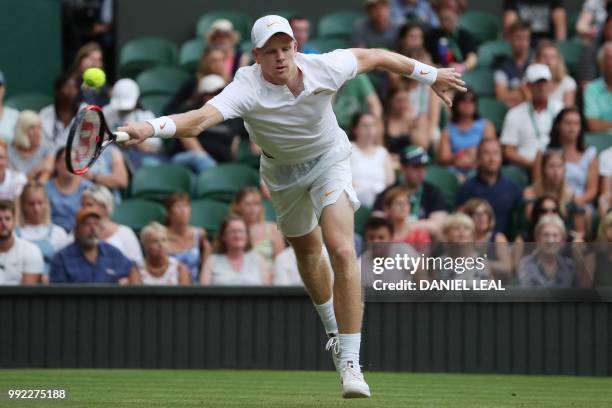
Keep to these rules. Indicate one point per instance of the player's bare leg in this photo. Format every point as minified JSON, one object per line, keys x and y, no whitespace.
{"x":337,"y":227}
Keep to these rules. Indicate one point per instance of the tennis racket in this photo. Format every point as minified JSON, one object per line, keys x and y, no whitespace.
{"x":89,"y":136}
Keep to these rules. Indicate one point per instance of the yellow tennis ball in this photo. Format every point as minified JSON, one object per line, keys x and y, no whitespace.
{"x":94,"y":77}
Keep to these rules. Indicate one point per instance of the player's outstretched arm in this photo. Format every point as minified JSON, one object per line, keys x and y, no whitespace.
{"x":441,"y":80}
{"x":188,"y":124}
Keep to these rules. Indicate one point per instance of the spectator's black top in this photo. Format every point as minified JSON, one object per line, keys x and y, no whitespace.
{"x":431,"y":200}
{"x":460,"y":44}
{"x":538,"y":13}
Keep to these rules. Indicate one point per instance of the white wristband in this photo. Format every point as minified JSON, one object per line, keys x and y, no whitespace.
{"x":164,"y":127}
{"x":424,"y":73}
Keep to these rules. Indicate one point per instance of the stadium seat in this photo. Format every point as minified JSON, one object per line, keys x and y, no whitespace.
{"x":482,"y":25}
{"x":571,"y":51}
{"x":601,"y":141}
{"x":155,"y":103}
{"x":480,"y":80}
{"x":246,"y":156}
{"x":161,"y":80}
{"x":158,"y":182}
{"x":338,"y":24}
{"x":571,"y":23}
{"x":488,"y":51}
{"x":493,"y":110}
{"x":224,"y":181}
{"x":445,"y":180}
{"x":136,"y":213}
{"x":32,"y":101}
{"x":361,"y":215}
{"x":269,"y":211}
{"x":208,"y":214}
{"x":242,"y":22}
{"x":516,"y":174}
{"x":190,"y":54}
{"x":144,"y":53}
{"x":329,"y":43}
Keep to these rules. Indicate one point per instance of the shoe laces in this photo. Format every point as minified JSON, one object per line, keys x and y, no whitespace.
{"x":333,"y":344}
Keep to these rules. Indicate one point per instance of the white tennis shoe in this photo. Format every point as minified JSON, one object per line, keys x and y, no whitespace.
{"x":353,"y":383}
{"x":333,"y":345}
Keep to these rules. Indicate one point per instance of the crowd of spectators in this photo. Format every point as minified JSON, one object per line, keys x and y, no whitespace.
{"x":523,"y":190}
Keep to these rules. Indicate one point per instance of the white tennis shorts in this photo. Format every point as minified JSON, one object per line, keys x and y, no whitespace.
{"x":299,"y":192}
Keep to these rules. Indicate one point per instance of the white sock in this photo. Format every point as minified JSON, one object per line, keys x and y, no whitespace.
{"x":349,"y":348}
{"x":327,"y":315}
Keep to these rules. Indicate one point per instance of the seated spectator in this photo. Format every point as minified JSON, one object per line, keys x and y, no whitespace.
{"x":233,"y":261}
{"x":370,"y":162}
{"x":158,"y":267}
{"x":301,"y":32}
{"x":547,"y":266}
{"x":264,"y":236}
{"x":604,"y":201}
{"x":186,"y":243}
{"x":11,"y":181}
{"x":22,"y":262}
{"x":404,"y":125}
{"x":57,"y":117}
{"x":120,"y":236}
{"x":451,"y":45}
{"x":8,"y":115}
{"x":212,"y":62}
{"x":491,"y":185}
{"x":549,"y":182}
{"x":494,"y":244}
{"x":581,"y":164}
{"x":458,"y":242}
{"x":110,"y":171}
{"x":591,"y":20}
{"x":466,"y":129}
{"x":527,"y":126}
{"x":597,"y":94}
{"x":603,"y":256}
{"x":88,"y":56}
{"x":88,"y":260}
{"x":509,"y":70}
{"x":219,"y":137}
{"x":223,"y":35}
{"x":397,"y":208}
{"x":356,"y":96}
{"x":35,"y":226}
{"x":587,"y":69}
{"x":427,"y":205}
{"x":411,"y":43}
{"x":377,"y":30}
{"x":563,"y":85}
{"x":29,"y":153}
{"x":547,"y":18}
{"x":124,"y":108}
{"x":411,"y":10}
{"x":64,"y":190}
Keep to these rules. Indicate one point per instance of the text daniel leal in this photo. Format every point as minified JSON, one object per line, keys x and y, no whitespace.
{"x":451,"y":284}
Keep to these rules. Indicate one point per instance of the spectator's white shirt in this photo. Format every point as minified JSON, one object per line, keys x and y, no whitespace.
{"x":288,"y":128}
{"x":520,"y":126}
{"x":568,"y":84}
{"x":8,"y":120}
{"x":22,"y":257}
{"x":605,"y":162}
{"x":125,"y":240}
{"x":57,"y":236}
{"x":11,"y":186}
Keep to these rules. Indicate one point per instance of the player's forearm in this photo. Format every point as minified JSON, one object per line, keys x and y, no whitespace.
{"x":371,"y":59}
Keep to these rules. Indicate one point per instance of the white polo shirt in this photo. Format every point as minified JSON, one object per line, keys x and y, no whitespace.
{"x":529,"y":130}
{"x":23,"y":257}
{"x":290,"y":129}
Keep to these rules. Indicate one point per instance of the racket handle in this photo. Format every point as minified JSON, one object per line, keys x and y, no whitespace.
{"x":121,"y":137}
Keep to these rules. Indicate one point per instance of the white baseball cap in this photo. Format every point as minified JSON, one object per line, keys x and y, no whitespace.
{"x":125,"y":94}
{"x":210,"y":84}
{"x":537,"y":72}
{"x":266,"y":27}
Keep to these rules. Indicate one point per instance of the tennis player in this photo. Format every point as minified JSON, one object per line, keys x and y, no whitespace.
{"x":285,"y":99}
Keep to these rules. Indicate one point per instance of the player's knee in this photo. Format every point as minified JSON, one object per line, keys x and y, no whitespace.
{"x":343,"y":253}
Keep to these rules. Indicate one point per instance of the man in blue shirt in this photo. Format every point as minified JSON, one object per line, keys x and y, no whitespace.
{"x":88,"y":260}
{"x":491,"y":185}
{"x":301,"y":30}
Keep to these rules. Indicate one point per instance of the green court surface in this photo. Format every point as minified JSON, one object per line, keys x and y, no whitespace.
{"x":197,"y":388}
